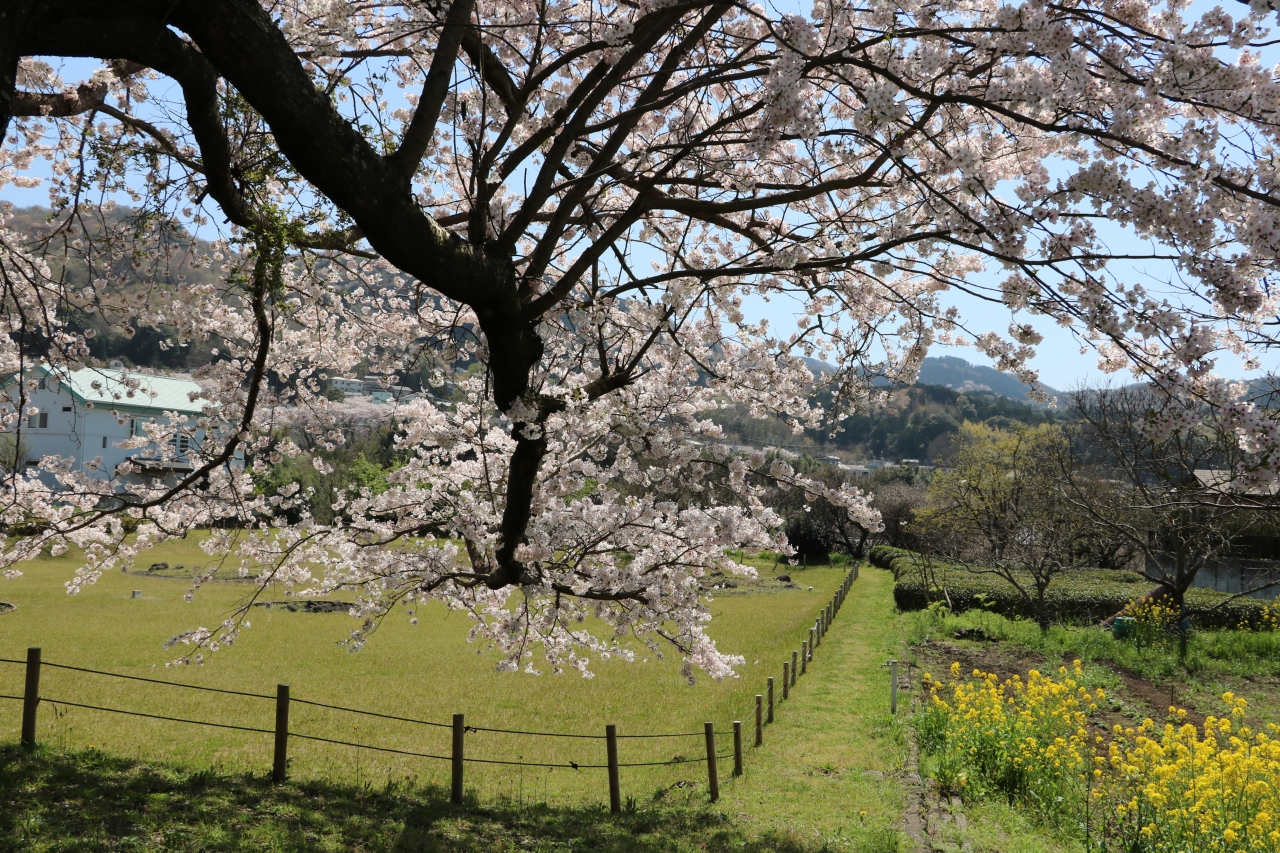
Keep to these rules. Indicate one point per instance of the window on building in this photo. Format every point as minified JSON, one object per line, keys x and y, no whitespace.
{"x":40,"y":420}
{"x":66,"y":408}
{"x":104,"y":442}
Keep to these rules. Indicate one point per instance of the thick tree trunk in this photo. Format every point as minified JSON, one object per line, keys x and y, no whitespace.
{"x":15,"y":20}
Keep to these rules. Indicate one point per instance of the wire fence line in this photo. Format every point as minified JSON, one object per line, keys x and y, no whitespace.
{"x":282,"y":732}
{"x":56,"y":702}
{"x":158,"y":681}
{"x":369,"y":713}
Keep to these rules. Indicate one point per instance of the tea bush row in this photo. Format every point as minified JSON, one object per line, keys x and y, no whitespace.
{"x":1081,"y":596}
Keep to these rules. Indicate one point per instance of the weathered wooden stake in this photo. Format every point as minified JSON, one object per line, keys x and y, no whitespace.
{"x":804,"y":656}
{"x":615,"y":788}
{"x":713,"y":779}
{"x":794,"y":672}
{"x":813,"y":641}
{"x":459,"y":733}
{"x":31,"y":699}
{"x":737,"y":747}
{"x":769,"y":691}
{"x":786,"y":680}
{"x":893,"y":687}
{"x":280,"y":766}
{"x":759,"y":720}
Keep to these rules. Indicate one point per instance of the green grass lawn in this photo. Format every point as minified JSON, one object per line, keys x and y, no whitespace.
{"x":827,"y":774}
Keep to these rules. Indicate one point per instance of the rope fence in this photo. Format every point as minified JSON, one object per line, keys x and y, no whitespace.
{"x":791,"y":669}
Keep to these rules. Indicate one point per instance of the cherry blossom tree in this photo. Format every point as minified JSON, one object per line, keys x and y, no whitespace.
{"x":584,"y":203}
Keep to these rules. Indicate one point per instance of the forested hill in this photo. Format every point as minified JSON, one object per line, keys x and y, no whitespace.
{"x":959,"y":375}
{"x":917,"y":424}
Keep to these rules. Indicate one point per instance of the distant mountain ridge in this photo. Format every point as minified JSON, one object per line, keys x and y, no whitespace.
{"x":960,"y":375}
{"x":957,"y":374}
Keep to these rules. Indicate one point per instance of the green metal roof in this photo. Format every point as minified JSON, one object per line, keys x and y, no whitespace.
{"x":120,"y":389}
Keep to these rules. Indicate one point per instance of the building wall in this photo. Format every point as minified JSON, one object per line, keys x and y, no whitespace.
{"x":76,"y":431}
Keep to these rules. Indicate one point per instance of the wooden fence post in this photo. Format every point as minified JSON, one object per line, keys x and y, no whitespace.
{"x":737,"y":747}
{"x":813,"y":641}
{"x":713,"y":780}
{"x":31,"y":699}
{"x":804,"y":656}
{"x":615,"y":788}
{"x":893,"y":687}
{"x":786,"y":680}
{"x":459,"y":732}
{"x":759,"y":720}
{"x":794,"y":671}
{"x":280,"y":766}
{"x":770,"y":692}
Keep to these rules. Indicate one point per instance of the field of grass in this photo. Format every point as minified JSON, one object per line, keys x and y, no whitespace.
{"x":827,"y":774}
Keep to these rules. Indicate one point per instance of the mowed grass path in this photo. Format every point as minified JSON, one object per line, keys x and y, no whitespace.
{"x":810,"y":778}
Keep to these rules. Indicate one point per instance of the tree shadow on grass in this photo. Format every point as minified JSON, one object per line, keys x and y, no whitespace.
{"x":82,"y":801}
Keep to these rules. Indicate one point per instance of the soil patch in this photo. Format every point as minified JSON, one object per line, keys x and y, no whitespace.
{"x":1003,"y":661}
{"x":6,"y":607}
{"x":1157,"y":698}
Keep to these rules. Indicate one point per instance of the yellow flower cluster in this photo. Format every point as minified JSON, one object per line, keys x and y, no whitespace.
{"x":1154,"y":788}
{"x":1175,"y":788}
{"x":1268,"y":619}
{"x":1153,"y":622}
{"x":1024,"y":739}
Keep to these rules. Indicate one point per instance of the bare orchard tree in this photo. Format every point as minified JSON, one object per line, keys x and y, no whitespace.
{"x":1168,"y":477}
{"x":570,"y":208}
{"x":1001,"y":507}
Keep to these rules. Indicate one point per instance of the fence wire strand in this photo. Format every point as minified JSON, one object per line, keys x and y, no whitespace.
{"x":11,"y":660}
{"x":533,"y":734}
{"x":158,"y":681}
{"x":369,"y":713}
{"x":369,"y":746}
{"x":19,"y":698}
{"x":663,"y":763}
{"x":155,"y":716}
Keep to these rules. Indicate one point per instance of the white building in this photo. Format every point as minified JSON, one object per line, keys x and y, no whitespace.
{"x":347,"y":385}
{"x":85,"y":414}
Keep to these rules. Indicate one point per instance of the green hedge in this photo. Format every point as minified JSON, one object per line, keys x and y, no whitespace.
{"x":1081,"y":596}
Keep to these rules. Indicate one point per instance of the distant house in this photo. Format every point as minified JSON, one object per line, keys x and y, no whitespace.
{"x":347,"y":385}
{"x":393,"y":394}
{"x":86,"y":413}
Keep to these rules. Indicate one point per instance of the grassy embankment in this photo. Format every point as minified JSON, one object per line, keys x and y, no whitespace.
{"x":826,"y":775}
